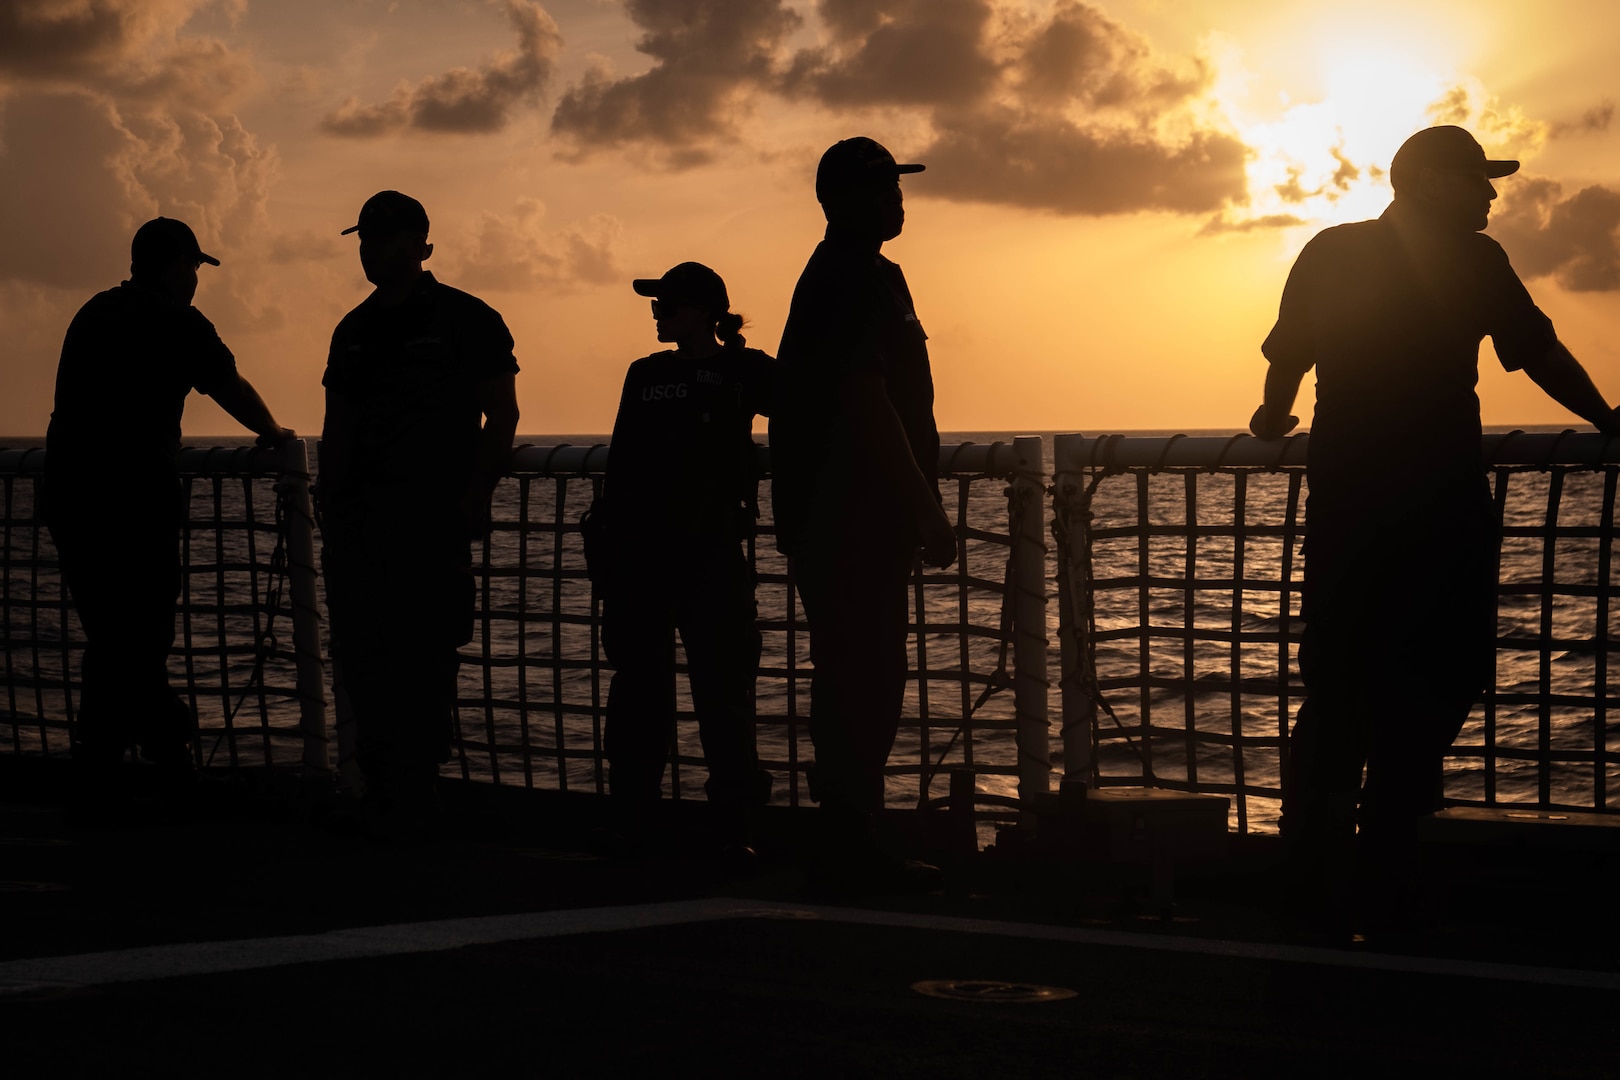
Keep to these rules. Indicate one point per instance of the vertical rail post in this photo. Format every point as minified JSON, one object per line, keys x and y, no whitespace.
{"x":1070,"y":523}
{"x":1029,"y":618}
{"x":306,"y":615}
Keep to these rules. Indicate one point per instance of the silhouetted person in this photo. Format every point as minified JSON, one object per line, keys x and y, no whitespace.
{"x":679,"y":499}
{"x":854,"y":454}
{"x":421,"y":410}
{"x":113,"y":498}
{"x":1401,"y":535}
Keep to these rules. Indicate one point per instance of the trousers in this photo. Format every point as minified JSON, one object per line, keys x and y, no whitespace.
{"x":703,"y":590}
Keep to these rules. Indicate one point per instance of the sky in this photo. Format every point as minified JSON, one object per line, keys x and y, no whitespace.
{"x":1114,"y":194}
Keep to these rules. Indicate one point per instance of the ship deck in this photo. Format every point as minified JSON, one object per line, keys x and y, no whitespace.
{"x":263,"y":937}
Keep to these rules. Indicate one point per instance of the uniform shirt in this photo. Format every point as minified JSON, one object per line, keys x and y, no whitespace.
{"x":409,"y":375}
{"x":130,"y":357}
{"x":1391,"y":313}
{"x":851,"y":313}
{"x":682,"y":456}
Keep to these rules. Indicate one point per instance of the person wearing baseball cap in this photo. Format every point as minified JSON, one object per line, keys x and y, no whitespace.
{"x":855,"y":452}
{"x":421,"y":411}
{"x":1401,"y":534}
{"x":665,"y":553}
{"x":130,"y":358}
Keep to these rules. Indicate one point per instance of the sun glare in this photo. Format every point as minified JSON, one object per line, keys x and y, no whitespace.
{"x":1326,"y":161}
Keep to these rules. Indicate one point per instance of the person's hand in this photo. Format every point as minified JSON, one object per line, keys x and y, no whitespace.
{"x":938,"y":538}
{"x":1611,"y":423}
{"x":1265,"y":426}
{"x":279,"y":437}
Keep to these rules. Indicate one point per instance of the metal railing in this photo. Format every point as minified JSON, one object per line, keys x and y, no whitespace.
{"x":534,"y":680}
{"x":248,"y":645}
{"x":1179,"y":569}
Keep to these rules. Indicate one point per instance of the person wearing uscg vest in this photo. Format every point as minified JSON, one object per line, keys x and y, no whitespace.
{"x":678,"y":499}
{"x":421,"y":410}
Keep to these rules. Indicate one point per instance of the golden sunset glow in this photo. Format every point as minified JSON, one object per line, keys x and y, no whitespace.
{"x":1115,"y":190}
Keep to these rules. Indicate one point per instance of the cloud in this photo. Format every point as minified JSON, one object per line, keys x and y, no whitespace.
{"x":898,"y":52}
{"x":464,"y":100}
{"x":69,"y":225}
{"x":1593,"y":121}
{"x":516,"y":253}
{"x":1068,"y":112}
{"x":1503,"y":132}
{"x":1044,"y":162}
{"x":709,"y":57}
{"x":1574,"y":240}
{"x":1223,"y":223}
{"x":132,"y":49}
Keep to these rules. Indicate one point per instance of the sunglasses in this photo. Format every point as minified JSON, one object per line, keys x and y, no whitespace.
{"x":664,"y":308}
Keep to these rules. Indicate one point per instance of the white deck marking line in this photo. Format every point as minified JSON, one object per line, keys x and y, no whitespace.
{"x":223,"y":957}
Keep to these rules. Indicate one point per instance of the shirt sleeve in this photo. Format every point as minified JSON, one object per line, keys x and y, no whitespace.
{"x":490,"y":352}
{"x":1518,"y":329}
{"x":764,"y":378}
{"x":211,"y":366}
{"x":1291,"y":345}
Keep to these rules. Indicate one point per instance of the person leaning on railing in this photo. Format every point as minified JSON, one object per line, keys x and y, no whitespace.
{"x":1401,"y":532}
{"x":421,"y":411}
{"x":678,"y":499}
{"x":130,"y":358}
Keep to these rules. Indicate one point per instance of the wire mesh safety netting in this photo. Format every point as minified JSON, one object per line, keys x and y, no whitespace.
{"x":1191,"y":585}
{"x":233,"y":660}
{"x":534,"y":681}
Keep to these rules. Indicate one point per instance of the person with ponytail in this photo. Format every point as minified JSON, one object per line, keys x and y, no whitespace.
{"x":677,"y":501}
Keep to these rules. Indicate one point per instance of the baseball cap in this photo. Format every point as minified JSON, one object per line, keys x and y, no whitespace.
{"x":856,"y":163}
{"x":1445,"y":147}
{"x":389,"y":212}
{"x":162,"y":241}
{"x":687,"y":282}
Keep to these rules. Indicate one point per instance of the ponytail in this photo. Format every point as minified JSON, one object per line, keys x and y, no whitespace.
{"x":728,"y":328}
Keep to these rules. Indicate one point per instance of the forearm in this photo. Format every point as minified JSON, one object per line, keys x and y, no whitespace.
{"x":1272,"y":420}
{"x":878,"y":427}
{"x":246,"y":407}
{"x":494,"y":448}
{"x":1566,"y":382}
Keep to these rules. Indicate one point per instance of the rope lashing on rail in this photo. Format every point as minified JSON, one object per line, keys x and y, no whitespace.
{"x":999,"y":679}
{"x":266,"y":644}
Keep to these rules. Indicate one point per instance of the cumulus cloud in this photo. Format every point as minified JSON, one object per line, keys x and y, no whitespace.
{"x":132,"y":49}
{"x":902,"y":52}
{"x":516,"y":252}
{"x":69,"y":224}
{"x":709,"y":57}
{"x":463,"y":99}
{"x":1575,"y":239}
{"x":1503,"y":132}
{"x":1083,"y":118}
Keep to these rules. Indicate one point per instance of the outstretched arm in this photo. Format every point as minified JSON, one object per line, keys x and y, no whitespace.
{"x":1272,"y":420}
{"x":1566,"y":382}
{"x":247,"y":408}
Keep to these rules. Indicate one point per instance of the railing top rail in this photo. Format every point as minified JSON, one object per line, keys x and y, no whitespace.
{"x":193,"y":461}
{"x":1076,"y":452}
{"x":999,"y":458}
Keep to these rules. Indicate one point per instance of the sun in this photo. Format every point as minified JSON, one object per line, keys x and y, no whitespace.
{"x":1326,"y":161}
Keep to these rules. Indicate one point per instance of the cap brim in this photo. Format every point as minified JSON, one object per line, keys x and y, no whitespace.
{"x":209,"y":259}
{"x":647,"y":286}
{"x":909,"y":168}
{"x":350,"y":229}
{"x":1494,"y":169}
